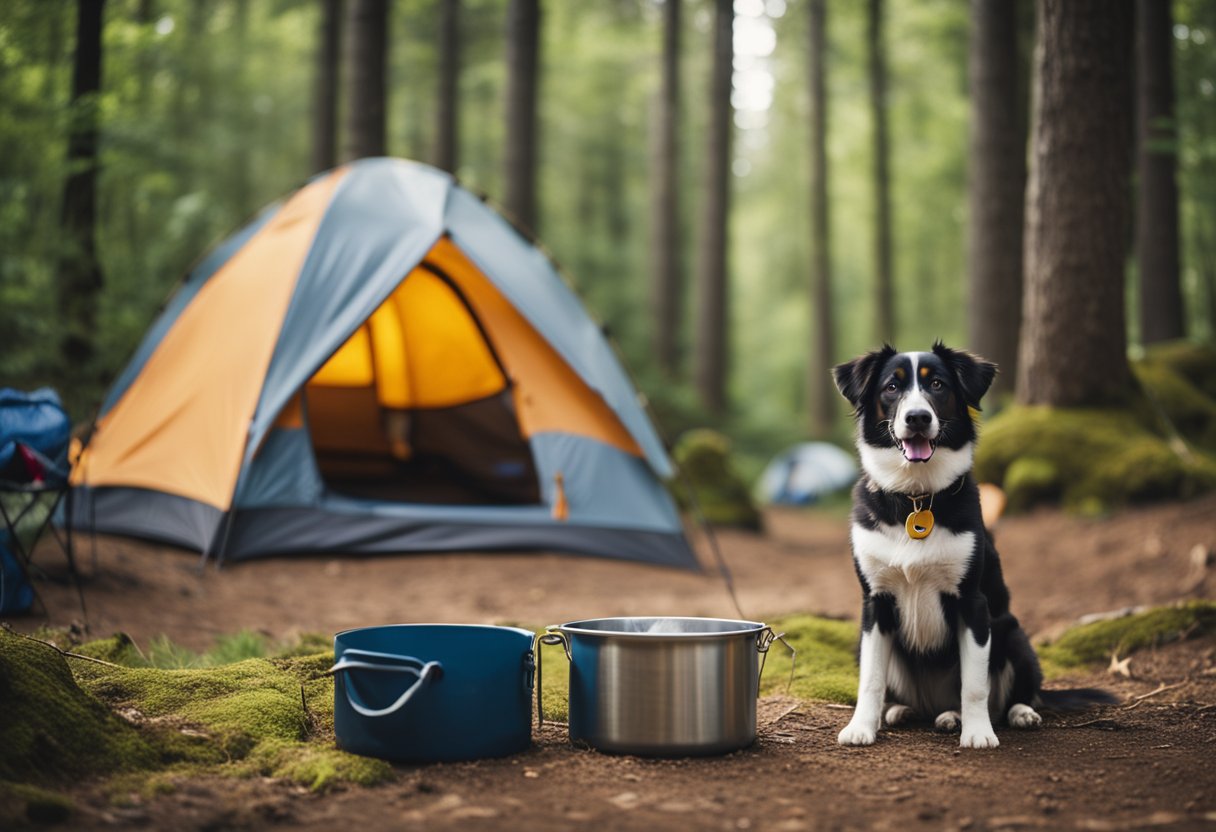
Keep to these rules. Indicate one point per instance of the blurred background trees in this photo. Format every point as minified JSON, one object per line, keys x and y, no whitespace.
{"x":636,"y":170}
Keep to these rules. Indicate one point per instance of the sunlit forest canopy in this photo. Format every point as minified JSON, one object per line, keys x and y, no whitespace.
{"x":204,"y":115}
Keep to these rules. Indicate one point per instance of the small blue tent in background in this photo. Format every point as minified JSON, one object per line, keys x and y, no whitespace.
{"x":800,"y":475}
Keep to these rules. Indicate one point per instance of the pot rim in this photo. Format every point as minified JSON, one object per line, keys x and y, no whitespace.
{"x":745,"y":628}
{"x":416,"y":624}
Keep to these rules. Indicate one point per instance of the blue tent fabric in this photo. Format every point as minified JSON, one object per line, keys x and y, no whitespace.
{"x":802,"y":474}
{"x":382,"y":219}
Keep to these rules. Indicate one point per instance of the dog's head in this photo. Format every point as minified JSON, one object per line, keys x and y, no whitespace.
{"x":915,"y":429}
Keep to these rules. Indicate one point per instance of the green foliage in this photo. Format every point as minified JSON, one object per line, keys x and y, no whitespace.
{"x":1093,"y":460}
{"x":1094,"y":643}
{"x":704,"y":458}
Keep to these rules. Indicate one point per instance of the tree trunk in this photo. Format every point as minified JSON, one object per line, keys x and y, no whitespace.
{"x":1074,"y":340}
{"x":447,"y":141}
{"x":997,"y":187}
{"x":821,"y":392}
{"x":884,"y":297}
{"x":1161,"y":314}
{"x":78,"y":272}
{"x":366,"y":86}
{"x":523,"y":37}
{"x":711,"y":352}
{"x":668,"y":284}
{"x":325,"y":87}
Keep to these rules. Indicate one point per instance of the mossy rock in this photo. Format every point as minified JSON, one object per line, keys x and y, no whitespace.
{"x":1193,"y":361}
{"x":1175,"y":394}
{"x":704,"y":457}
{"x":1097,"y":460}
{"x":51,"y":730}
{"x":271,"y":717}
{"x":1093,"y":643}
{"x":24,"y":805}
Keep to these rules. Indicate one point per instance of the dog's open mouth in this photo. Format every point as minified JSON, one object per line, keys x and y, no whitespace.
{"x":917,"y":448}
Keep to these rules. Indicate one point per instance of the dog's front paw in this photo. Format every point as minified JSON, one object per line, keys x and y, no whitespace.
{"x":857,"y":733}
{"x":978,"y":737}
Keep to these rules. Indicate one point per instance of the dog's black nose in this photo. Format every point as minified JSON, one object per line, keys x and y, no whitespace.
{"x":918,"y":419}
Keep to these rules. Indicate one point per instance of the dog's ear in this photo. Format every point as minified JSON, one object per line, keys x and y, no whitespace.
{"x":973,"y":373}
{"x":854,"y":378}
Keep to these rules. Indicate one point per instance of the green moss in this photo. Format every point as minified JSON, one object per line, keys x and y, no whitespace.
{"x":316,"y":765}
{"x":21,"y":803}
{"x":1175,"y":402}
{"x":1031,"y":479}
{"x":1191,"y":360}
{"x":51,"y":729}
{"x":267,"y":716}
{"x":825,"y":669}
{"x":1103,"y":459}
{"x":1093,"y":643}
{"x":704,"y":457}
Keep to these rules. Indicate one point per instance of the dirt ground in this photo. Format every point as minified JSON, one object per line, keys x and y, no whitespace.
{"x":1146,"y":762}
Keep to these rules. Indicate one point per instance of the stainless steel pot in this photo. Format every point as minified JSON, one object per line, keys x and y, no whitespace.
{"x":667,"y":687}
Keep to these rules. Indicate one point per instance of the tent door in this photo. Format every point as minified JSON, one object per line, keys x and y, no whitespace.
{"x":416,"y":406}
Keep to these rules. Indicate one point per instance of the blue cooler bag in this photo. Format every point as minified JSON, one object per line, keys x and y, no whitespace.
{"x":416,"y":693}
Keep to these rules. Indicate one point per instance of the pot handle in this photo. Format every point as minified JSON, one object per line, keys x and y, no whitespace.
{"x":763,"y":642}
{"x":425,"y":671}
{"x":552,"y":635}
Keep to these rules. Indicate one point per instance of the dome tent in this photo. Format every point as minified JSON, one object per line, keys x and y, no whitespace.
{"x":378,"y":363}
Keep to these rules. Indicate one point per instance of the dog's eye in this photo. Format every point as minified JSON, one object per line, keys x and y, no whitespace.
{"x":936,"y":384}
{"x":892,"y":387}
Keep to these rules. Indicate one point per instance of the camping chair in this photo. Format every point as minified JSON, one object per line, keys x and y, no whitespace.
{"x":34,"y":439}
{"x":42,"y":483}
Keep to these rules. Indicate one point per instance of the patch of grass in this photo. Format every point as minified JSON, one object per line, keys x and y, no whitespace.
{"x":1091,"y":460}
{"x":1093,"y":643}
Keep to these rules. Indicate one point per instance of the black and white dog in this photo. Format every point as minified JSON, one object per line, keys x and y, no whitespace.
{"x":938,"y":639}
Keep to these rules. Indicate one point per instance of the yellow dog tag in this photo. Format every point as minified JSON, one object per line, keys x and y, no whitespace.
{"x":919,"y":524}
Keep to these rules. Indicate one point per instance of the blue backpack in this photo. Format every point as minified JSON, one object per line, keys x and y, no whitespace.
{"x":16,"y":594}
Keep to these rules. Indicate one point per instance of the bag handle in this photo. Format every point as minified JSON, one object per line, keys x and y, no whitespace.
{"x":424,"y":671}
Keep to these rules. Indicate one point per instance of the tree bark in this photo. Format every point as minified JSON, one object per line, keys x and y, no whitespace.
{"x":1161,"y":308}
{"x":711,"y":352}
{"x":78,"y":273}
{"x":447,"y":122}
{"x":668,"y":284}
{"x":366,"y":83}
{"x":821,"y":392}
{"x":523,"y":37}
{"x":884,"y":296}
{"x":997,"y":186}
{"x":325,"y":87}
{"x":1074,"y":340}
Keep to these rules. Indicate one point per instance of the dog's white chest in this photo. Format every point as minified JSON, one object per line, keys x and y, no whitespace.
{"x":916,"y":573}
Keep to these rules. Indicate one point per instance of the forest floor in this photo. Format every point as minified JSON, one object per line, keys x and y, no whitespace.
{"x":1146,"y":762}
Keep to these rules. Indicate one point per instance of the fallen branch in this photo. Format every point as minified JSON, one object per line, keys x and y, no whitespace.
{"x":62,"y":652}
{"x":1161,"y":688}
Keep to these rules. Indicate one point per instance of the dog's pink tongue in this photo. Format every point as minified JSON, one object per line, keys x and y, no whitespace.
{"x":917,"y":449}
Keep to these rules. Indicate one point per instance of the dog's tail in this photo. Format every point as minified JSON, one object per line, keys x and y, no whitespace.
{"x":1075,"y":699}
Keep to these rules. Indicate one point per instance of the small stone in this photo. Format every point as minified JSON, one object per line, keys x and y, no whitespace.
{"x":531,"y":773}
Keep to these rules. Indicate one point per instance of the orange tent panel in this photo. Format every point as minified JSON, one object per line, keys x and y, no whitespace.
{"x":182,"y":425}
